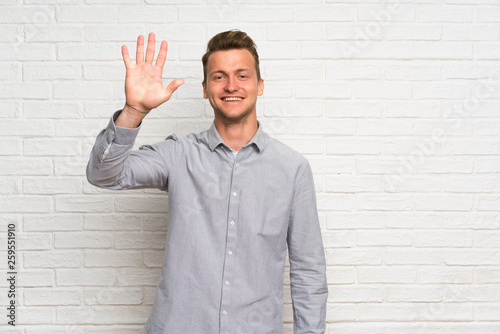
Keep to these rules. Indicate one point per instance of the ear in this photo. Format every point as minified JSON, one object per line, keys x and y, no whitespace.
{"x":205,"y":96}
{"x":260,"y":87}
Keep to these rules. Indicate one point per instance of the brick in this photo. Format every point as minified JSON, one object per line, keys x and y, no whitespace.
{"x":61,"y":147}
{"x":382,"y":90}
{"x":389,"y":202}
{"x":383,"y":274}
{"x":353,"y":183}
{"x":11,"y":146}
{"x":384,"y":238}
{"x":341,"y":275}
{"x":113,"y":296}
{"x":326,"y":164}
{"x":37,"y":278}
{"x":289,"y":32}
{"x":426,"y":32}
{"x":37,"y":315}
{"x":337,"y":202}
{"x":10,"y":186}
{"x":51,"y":109}
{"x":356,"y":256}
{"x":26,"y":166}
{"x":355,"y":294}
{"x":488,"y":203}
{"x":112,"y":258}
{"x":52,"y":223}
{"x":337,"y":108}
{"x":372,"y":49}
{"x":386,"y":13}
{"x":84,"y":204}
{"x":471,"y":257}
{"x":413,"y":294}
{"x":263,"y":14}
{"x":476,"y":32}
{"x":35,"y":241}
{"x":302,"y":70}
{"x":444,"y":238}
{"x":85,"y":277}
{"x":25,"y":91}
{"x":443,"y":50}
{"x":355,"y":220}
{"x":139,"y":277}
{"x":26,"y":204}
{"x":53,"y":33}
{"x":40,"y":186}
{"x":163,"y":14}
{"x":471,"y":146}
{"x":448,"y":13}
{"x":412,"y":256}
{"x":415,"y":71}
{"x":86,"y":14}
{"x":471,"y":220}
{"x":82,"y":90}
{"x":444,"y":90}
{"x":44,"y":296}
{"x":444,"y":202}
{"x":26,"y":15}
{"x":101,"y":315}
{"x":143,"y":204}
{"x":120,"y":222}
{"x":87,"y":52}
{"x":82,"y":240}
{"x":52,"y":259}
{"x":50,"y":71}
{"x":328,"y":13}
{"x":384,"y":127}
{"x":131,"y":240}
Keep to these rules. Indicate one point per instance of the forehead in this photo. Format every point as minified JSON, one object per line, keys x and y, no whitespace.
{"x":230,"y":60}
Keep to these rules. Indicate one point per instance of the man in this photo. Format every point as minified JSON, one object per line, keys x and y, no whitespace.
{"x":237,"y":199}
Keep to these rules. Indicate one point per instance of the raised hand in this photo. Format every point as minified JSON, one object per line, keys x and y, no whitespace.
{"x":144,"y":89}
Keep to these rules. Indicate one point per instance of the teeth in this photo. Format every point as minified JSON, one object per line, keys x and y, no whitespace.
{"x":233,"y":99}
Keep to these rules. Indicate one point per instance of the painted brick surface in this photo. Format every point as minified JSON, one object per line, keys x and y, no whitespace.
{"x":394,"y":103}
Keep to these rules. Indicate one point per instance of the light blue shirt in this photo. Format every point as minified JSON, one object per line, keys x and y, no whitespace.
{"x":231,"y":219}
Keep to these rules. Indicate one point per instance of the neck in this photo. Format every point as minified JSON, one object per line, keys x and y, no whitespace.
{"x":236,"y":135}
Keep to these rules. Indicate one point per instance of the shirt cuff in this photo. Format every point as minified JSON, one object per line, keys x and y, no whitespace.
{"x":119,"y":135}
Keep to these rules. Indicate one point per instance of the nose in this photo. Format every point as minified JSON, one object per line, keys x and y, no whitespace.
{"x":231,"y":85}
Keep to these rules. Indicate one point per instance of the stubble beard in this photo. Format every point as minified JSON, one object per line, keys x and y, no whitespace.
{"x":227,"y":119}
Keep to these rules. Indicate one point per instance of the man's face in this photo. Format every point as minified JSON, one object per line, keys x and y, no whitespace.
{"x":232,"y":87}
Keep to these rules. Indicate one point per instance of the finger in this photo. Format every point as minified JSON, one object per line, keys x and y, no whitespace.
{"x":139,"y":55}
{"x":150,"y":51}
{"x":162,"y":56}
{"x":171,"y":88}
{"x":126,"y":57}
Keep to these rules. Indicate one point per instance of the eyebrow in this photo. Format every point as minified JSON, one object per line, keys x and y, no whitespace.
{"x":237,"y":71}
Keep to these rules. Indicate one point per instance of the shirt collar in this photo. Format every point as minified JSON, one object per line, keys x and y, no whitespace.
{"x":214,"y":138}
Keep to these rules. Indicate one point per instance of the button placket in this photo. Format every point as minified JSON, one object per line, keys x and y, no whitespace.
{"x":228,"y":271}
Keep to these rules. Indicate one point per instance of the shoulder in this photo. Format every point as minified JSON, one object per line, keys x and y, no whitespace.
{"x":284,"y":154}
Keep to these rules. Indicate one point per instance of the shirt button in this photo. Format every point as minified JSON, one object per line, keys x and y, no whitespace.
{"x":224,"y":312}
{"x":226,"y":282}
{"x":234,"y":194}
{"x":230,"y":252}
{"x":112,"y":132}
{"x":237,"y":164}
{"x":232,"y":222}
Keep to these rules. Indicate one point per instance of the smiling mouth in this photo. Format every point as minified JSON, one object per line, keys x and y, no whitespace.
{"x":227,"y":99}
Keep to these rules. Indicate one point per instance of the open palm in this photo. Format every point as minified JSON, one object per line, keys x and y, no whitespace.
{"x":143,"y":82}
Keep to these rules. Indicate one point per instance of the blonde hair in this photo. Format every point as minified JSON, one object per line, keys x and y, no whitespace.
{"x":229,"y":40}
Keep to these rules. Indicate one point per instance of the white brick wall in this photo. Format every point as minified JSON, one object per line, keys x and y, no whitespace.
{"x":394,"y":103}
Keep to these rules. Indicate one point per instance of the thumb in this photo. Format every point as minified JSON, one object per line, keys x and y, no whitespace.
{"x":171,"y":88}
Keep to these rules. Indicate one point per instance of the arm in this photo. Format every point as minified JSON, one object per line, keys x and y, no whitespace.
{"x":307,"y":259}
{"x":112,"y":165}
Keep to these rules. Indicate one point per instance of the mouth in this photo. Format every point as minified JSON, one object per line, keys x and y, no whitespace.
{"x":231,"y":98}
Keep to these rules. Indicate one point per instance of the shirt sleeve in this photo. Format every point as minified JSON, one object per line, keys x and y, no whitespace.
{"x":113,"y":164}
{"x":309,"y":288}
